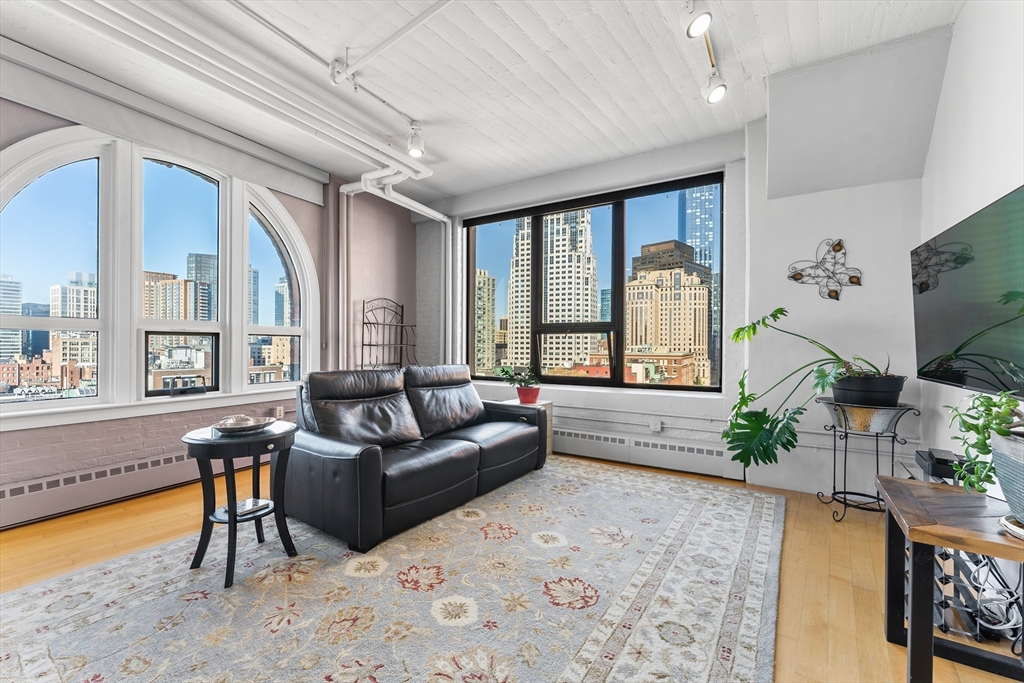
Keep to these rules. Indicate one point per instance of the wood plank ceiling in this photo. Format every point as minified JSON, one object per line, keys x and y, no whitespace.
{"x":505,"y":90}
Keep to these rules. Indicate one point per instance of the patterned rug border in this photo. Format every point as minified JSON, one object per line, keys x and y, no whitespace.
{"x":765,"y":656}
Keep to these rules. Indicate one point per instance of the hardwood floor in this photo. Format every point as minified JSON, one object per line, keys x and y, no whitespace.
{"x":831,"y":593}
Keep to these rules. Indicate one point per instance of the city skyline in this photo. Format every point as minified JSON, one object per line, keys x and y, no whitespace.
{"x":669,"y":293}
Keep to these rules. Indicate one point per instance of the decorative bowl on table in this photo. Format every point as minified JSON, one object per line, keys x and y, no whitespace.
{"x":243,"y":424}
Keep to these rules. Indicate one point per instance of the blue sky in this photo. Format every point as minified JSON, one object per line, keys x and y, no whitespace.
{"x":654,"y":218}
{"x":49,"y":229}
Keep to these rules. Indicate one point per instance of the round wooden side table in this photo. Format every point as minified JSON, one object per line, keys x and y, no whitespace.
{"x":208,"y":444}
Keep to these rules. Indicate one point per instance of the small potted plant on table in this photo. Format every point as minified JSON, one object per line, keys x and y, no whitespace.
{"x":525,"y":382}
{"x":757,"y":435}
{"x":992,"y":426}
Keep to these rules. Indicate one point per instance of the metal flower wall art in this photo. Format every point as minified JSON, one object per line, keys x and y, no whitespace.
{"x":928,"y":260}
{"x":829,"y":271}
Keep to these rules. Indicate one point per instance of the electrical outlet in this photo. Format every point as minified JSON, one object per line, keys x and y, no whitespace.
{"x":655,"y":425}
{"x":279,"y":412}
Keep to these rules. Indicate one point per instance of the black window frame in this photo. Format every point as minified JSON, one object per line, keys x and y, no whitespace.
{"x":615,"y":328}
{"x":214,"y":384}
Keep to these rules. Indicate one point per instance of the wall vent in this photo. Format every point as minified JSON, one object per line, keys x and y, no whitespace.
{"x":678,"y":448}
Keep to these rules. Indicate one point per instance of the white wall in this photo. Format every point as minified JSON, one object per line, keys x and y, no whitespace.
{"x":977,"y":147}
{"x":877,"y":224}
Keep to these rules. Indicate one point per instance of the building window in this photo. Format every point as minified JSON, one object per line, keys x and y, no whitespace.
{"x":114,"y":297}
{"x":625,"y":292}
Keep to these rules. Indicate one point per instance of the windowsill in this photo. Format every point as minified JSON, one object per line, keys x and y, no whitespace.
{"x":636,"y":391}
{"x":54,"y":417}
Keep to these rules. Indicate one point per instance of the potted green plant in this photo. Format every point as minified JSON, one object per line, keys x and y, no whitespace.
{"x":756,"y":436}
{"x":525,"y":382}
{"x":992,"y":426}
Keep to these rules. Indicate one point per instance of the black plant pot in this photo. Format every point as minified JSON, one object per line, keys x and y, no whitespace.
{"x":869,"y":390}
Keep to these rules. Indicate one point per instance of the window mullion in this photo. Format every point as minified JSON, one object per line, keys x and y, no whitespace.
{"x":234,"y":242}
{"x":117,"y":258}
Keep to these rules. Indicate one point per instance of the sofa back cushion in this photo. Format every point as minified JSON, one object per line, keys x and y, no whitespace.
{"x":368,"y":406}
{"x":442,"y":397}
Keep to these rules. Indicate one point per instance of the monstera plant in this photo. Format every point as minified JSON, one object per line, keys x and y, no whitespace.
{"x":757,"y":435}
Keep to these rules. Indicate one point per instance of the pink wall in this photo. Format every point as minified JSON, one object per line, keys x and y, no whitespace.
{"x":382,"y":261}
{"x":18,"y":122}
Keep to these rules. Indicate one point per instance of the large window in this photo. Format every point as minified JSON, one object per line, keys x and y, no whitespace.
{"x":129,"y":276}
{"x":49,"y":261}
{"x":625,"y":289}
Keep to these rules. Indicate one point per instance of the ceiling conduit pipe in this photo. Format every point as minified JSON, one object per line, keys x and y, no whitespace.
{"x":380,"y":183}
{"x":217,"y":68}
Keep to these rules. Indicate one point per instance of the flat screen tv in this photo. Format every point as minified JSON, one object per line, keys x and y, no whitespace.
{"x":969,"y":300}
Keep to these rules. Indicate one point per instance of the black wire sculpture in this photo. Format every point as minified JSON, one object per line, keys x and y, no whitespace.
{"x":829,"y":272}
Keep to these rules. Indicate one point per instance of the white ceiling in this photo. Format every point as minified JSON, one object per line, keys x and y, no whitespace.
{"x":506,"y":90}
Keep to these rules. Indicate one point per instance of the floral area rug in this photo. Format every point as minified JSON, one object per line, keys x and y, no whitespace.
{"x":575,"y":572}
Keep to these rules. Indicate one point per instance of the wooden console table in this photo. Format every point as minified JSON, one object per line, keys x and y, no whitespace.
{"x":929,"y":515}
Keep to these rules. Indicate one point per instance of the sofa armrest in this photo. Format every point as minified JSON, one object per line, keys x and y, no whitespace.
{"x":517,"y":412}
{"x":335,"y":485}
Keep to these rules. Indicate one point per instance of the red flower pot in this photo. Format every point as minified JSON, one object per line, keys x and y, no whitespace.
{"x":528,"y":394}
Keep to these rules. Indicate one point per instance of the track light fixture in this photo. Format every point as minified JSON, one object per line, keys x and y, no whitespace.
{"x":415,"y":141}
{"x":714,"y":88}
{"x":696,"y":19}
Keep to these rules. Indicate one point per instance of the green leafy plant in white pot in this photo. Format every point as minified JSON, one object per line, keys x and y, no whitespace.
{"x":992,"y":434}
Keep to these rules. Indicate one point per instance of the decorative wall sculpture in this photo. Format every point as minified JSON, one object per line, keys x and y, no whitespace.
{"x":829,"y":272}
{"x":928,"y":260}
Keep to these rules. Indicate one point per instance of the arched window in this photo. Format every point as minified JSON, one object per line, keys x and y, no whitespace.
{"x":133,"y":279}
{"x":274,"y":313}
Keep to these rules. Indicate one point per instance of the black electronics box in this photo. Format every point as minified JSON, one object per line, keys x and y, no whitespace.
{"x":937,"y":462}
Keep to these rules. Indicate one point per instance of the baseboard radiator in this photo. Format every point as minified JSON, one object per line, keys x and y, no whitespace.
{"x":697,"y":457}
{"x":36,"y":499}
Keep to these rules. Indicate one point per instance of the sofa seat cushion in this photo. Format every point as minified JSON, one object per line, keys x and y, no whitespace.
{"x":500,"y":442}
{"x":423,"y":468}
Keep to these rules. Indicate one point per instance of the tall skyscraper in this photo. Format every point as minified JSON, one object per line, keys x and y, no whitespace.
{"x":10,"y":304}
{"x":483,"y":341}
{"x":700,"y":212}
{"x":34,"y":342}
{"x":254,"y":296}
{"x":519,"y":302}
{"x":606,"y":305}
{"x":570,"y":289}
{"x":283,"y":303}
{"x":203,"y":268}
{"x":667,"y":310}
{"x":77,"y":299}
{"x":151,"y":291}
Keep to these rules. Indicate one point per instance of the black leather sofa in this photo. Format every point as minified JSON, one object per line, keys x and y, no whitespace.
{"x":380,"y":451}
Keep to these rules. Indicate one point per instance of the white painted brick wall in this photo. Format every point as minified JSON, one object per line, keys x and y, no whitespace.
{"x":428,"y":292}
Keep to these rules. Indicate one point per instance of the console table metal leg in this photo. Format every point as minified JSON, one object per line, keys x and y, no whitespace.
{"x":209,"y":505}
{"x":920,"y":621}
{"x":277,"y":481}
{"x":256,"y":494}
{"x":895,"y":574}
{"x":229,"y":482}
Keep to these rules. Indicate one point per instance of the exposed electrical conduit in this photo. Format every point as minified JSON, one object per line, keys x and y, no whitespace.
{"x":351,"y":69}
{"x":201,"y":63}
{"x":313,"y":56}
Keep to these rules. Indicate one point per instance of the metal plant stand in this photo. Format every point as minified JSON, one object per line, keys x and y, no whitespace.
{"x":867,"y":421}
{"x":388,"y":343}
